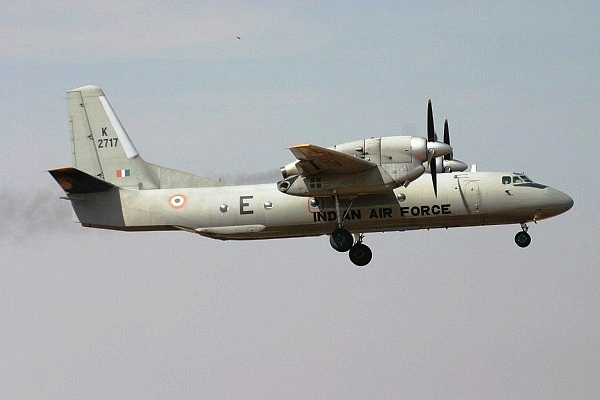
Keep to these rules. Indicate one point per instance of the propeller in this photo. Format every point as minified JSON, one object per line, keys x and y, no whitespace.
{"x":431,"y":151}
{"x":449,"y":163}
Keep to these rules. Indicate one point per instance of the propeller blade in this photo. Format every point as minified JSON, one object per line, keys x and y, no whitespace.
{"x":430,"y":128}
{"x":433,"y":169}
{"x":431,"y":152}
{"x":448,"y":156}
{"x":446,"y":133}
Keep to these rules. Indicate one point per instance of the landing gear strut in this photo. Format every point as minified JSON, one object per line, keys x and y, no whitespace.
{"x":341,"y":240}
{"x":522,"y":239}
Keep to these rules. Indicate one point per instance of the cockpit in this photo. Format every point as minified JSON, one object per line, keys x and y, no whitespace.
{"x":520,"y":180}
{"x":516,"y":178}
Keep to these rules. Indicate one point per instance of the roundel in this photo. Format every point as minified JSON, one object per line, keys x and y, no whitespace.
{"x":177,"y":201}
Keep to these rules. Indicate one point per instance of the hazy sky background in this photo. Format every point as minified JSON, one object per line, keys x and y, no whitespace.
{"x":459,"y":313}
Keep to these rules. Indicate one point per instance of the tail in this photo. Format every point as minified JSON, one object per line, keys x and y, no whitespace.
{"x":102,"y":148}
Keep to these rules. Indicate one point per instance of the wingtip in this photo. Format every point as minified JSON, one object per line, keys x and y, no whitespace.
{"x":300,"y":146}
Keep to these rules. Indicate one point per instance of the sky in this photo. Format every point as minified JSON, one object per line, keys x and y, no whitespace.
{"x":460,"y":313}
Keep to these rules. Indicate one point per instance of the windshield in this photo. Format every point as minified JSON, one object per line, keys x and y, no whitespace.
{"x":517,"y":178}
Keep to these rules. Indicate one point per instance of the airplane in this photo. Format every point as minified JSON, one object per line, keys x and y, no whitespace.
{"x":345,"y":191}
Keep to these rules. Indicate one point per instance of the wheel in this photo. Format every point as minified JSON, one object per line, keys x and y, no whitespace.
{"x":522,"y":239}
{"x":341,"y":240}
{"x":360,"y":254}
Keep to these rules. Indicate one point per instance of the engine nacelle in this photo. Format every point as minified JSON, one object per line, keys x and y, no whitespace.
{"x":393,"y":149}
{"x":399,"y":160}
{"x":454,"y":166}
{"x":443,"y":165}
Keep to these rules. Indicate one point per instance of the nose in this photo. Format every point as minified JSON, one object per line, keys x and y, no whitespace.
{"x":558,"y":202}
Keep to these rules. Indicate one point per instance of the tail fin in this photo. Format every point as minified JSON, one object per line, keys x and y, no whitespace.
{"x":102,"y":148}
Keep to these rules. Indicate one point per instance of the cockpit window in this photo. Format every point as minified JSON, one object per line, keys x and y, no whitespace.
{"x":526,"y":179}
{"x":521,"y":180}
{"x":516,"y":178}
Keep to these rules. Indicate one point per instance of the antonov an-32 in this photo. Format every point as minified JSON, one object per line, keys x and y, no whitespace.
{"x":394,"y":183}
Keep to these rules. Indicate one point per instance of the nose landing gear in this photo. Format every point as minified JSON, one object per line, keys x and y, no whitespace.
{"x":523,"y":239}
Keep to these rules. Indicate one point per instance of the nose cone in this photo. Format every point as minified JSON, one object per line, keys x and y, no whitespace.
{"x":558,"y":202}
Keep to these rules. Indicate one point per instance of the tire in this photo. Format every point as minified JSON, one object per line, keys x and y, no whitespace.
{"x":360,"y":254}
{"x":341,"y":240}
{"x":522,"y":239}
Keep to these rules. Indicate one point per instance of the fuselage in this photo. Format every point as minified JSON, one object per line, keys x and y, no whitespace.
{"x":262,"y":212}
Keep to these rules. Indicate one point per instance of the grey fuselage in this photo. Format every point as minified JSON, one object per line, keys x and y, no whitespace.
{"x":261,"y":211}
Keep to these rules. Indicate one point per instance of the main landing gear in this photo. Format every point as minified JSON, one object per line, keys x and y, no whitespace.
{"x":522,"y":239}
{"x":342,"y":241}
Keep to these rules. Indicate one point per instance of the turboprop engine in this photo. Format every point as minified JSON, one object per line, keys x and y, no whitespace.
{"x":367,"y":166}
{"x":390,"y":162}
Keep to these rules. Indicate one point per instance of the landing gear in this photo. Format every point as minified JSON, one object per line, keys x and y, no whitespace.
{"x":522,"y":239}
{"x":342,"y":241}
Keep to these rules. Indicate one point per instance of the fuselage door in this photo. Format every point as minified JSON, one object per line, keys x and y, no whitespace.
{"x":472,"y":196}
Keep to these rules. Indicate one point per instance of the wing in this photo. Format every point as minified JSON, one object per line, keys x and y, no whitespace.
{"x":314,"y":159}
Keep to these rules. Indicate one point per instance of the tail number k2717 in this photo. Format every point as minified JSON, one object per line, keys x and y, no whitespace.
{"x":106,"y":142}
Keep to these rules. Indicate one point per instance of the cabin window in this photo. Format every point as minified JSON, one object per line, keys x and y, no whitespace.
{"x":505,"y":180}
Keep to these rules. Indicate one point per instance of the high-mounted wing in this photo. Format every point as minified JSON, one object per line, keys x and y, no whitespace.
{"x":315,"y":159}
{"x":361,"y":167}
{"x":324,"y":172}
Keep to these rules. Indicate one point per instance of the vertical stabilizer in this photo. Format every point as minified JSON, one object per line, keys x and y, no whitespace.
{"x":100,"y":144}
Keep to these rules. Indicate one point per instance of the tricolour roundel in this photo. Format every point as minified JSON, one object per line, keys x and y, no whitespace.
{"x":177,"y":201}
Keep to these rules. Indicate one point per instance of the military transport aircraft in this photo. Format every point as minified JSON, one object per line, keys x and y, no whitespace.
{"x":344,"y":191}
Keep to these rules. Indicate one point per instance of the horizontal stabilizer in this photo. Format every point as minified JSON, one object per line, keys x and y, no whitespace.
{"x":73,"y":180}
